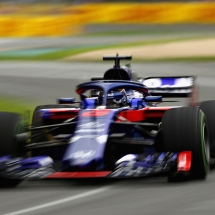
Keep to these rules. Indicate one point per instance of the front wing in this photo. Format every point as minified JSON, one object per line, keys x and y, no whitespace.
{"x":139,"y":166}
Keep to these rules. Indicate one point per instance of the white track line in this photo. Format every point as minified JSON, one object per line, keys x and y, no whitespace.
{"x":60,"y":201}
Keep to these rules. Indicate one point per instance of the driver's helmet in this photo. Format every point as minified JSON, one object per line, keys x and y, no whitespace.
{"x":131,"y":94}
{"x":116,"y":98}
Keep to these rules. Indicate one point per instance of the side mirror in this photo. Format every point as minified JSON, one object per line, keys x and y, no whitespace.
{"x":66,"y":100}
{"x":153,"y":98}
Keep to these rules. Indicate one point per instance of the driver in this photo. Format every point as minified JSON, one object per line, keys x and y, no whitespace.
{"x":131,"y":94}
{"x":117,"y":98}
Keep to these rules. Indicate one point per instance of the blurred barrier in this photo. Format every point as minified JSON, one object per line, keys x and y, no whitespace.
{"x":37,"y":26}
{"x":52,"y":20}
{"x":158,"y":13}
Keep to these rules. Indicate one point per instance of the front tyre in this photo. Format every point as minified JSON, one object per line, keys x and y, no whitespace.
{"x":11,"y":124}
{"x":208,"y":107}
{"x":185,"y":129}
{"x":9,"y":183}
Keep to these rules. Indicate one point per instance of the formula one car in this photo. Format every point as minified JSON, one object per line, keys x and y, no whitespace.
{"x":114,"y":131}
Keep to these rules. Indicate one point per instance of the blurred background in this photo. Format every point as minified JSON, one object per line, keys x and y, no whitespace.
{"x":90,"y":25}
{"x":45,"y":40}
{"x":67,"y":18}
{"x":34,"y":18}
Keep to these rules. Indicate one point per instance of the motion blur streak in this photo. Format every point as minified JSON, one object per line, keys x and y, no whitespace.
{"x":59,"y":20}
{"x":61,"y":201}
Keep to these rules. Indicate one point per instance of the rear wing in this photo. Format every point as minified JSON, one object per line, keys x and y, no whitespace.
{"x":117,"y":59}
{"x":169,"y":87}
{"x":117,"y":72}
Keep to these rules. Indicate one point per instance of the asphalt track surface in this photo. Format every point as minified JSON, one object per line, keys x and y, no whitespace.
{"x":43,"y":82}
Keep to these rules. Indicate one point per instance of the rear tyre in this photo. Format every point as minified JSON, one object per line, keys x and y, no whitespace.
{"x":185,"y":129}
{"x":10,"y":125}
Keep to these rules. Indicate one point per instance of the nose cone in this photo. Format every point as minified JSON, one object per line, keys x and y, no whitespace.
{"x":87,"y":146}
{"x":82,"y":157}
{"x":83,"y":154}
{"x":82,"y":160}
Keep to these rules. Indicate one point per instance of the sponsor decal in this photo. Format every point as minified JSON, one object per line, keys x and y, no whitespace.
{"x":96,"y":113}
{"x":163,"y":83}
{"x":83,"y":154}
{"x":184,"y":161}
{"x":101,"y":139}
{"x":90,"y":130}
{"x":153,"y":82}
{"x":91,"y":125}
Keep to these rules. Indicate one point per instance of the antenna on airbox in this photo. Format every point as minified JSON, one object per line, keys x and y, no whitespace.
{"x":117,"y":59}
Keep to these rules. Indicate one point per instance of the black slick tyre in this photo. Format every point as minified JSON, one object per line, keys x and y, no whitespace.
{"x":208,"y":107}
{"x":10,"y":125}
{"x":185,"y":129}
{"x":9,"y":183}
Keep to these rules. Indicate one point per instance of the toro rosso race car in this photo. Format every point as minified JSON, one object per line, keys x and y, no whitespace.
{"x":114,"y":131}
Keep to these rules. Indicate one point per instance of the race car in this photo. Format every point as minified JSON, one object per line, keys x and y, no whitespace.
{"x":108,"y":134}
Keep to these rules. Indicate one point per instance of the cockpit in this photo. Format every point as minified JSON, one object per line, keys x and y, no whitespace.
{"x":112,"y":99}
{"x":95,"y":98}
{"x":116,"y":98}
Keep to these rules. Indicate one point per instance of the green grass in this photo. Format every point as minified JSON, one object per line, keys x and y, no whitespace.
{"x":9,"y":104}
{"x":61,"y":54}
{"x":15,"y":105}
{"x":55,"y":55}
{"x":145,"y":31}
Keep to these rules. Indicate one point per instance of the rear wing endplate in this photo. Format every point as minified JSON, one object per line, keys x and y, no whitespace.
{"x":169,"y":87}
